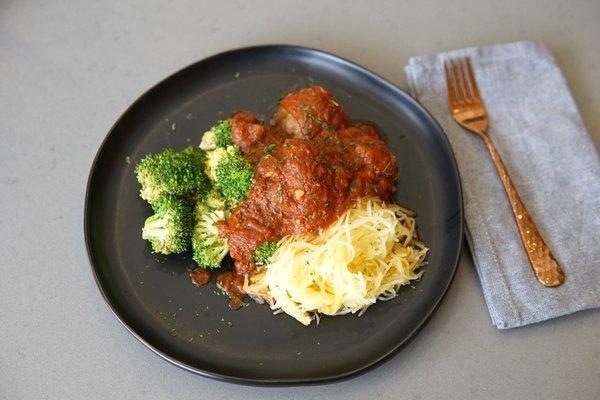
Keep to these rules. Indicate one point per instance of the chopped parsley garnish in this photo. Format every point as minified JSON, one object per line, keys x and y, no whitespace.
{"x":353,"y":186}
{"x":330,"y":139}
{"x":324,"y":125}
{"x":269,"y":149}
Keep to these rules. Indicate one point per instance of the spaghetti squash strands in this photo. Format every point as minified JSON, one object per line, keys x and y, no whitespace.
{"x":366,"y":255}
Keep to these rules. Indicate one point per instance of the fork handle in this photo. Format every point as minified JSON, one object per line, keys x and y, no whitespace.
{"x":546,"y":268}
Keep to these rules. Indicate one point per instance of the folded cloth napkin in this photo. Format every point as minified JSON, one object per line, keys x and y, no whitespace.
{"x":540,"y":136}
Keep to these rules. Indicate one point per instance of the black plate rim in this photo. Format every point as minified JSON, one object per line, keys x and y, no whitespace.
{"x":280,"y":382}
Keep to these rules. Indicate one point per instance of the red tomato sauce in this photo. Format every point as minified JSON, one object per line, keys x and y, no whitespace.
{"x":311,"y":164}
{"x":199,"y":276}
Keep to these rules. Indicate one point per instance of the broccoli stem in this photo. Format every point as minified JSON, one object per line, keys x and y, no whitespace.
{"x":155,"y":227}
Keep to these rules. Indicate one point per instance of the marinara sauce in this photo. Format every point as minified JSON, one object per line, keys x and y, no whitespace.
{"x":311,"y":164}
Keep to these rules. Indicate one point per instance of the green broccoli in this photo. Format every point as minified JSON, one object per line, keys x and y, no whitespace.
{"x":216,"y":201}
{"x":233,"y":175}
{"x":222,"y":131}
{"x":265,"y":251}
{"x":208,"y":248}
{"x":172,"y":173}
{"x":213,"y":157}
{"x":197,"y":154}
{"x":169,"y":229}
{"x":219,"y":135}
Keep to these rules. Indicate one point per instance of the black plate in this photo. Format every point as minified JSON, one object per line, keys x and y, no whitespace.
{"x":192,"y":327}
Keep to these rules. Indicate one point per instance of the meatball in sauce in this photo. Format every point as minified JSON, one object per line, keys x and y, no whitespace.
{"x":311,"y":164}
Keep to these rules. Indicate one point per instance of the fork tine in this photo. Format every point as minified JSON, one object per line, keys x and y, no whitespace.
{"x":459,"y":82}
{"x":466,"y":81}
{"x":450,"y":85}
{"x":472,"y":79}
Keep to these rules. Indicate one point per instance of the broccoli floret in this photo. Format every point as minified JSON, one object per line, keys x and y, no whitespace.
{"x":216,"y":201}
{"x":228,"y":170}
{"x":204,"y":184}
{"x":172,"y":173}
{"x":197,"y":154}
{"x":265,"y":251}
{"x":213,"y":158}
{"x":233,"y":174}
{"x":219,"y":135}
{"x":222,"y":132}
{"x":208,"y":141}
{"x":169,"y":230}
{"x":208,"y":248}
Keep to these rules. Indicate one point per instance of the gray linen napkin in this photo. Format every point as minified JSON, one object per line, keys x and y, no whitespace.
{"x":538,"y":131}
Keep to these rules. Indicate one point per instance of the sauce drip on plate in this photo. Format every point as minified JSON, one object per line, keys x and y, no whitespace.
{"x":199,"y":276}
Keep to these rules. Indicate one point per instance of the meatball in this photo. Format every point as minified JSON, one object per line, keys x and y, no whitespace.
{"x":309,"y":111}
{"x":245,"y":129}
{"x":371,"y":159}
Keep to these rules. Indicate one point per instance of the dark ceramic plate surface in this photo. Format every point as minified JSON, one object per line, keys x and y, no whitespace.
{"x":192,"y":327}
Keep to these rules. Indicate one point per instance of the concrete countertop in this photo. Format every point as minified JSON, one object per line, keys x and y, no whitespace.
{"x":69,"y":69}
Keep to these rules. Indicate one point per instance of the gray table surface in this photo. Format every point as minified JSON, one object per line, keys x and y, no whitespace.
{"x":68,"y":69}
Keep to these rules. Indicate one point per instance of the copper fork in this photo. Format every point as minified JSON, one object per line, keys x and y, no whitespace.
{"x":469,"y":112}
